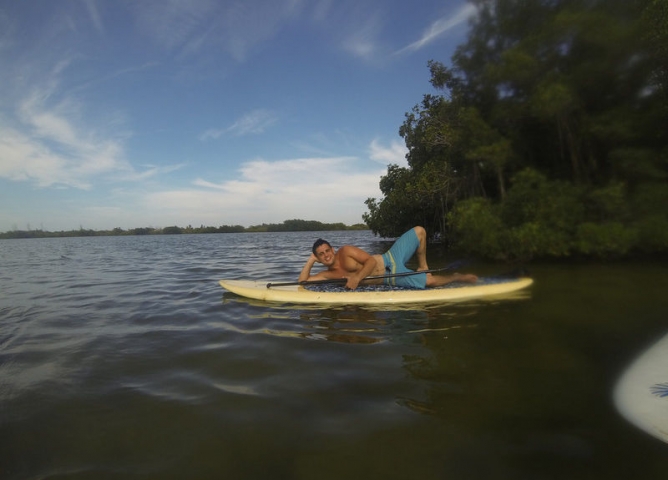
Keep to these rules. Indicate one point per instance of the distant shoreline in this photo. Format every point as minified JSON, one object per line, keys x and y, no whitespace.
{"x":286,"y":226}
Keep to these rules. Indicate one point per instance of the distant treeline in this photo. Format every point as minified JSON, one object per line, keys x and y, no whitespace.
{"x":286,"y":226}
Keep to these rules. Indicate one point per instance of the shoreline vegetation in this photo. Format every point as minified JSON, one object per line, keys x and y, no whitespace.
{"x":286,"y":226}
{"x":546,"y":137}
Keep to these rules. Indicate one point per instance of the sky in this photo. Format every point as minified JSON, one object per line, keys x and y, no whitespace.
{"x":153,"y":113}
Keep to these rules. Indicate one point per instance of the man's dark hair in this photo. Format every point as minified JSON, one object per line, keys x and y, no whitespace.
{"x":320,"y":242}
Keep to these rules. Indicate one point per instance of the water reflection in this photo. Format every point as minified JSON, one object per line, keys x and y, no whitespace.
{"x":359,"y":324}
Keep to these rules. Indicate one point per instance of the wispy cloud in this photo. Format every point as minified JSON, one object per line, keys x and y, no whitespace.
{"x":322,"y":10}
{"x":72,"y":162}
{"x":328,"y":189}
{"x":440,"y":27}
{"x":172,"y":24}
{"x":47,"y":142}
{"x":234,"y":27}
{"x":394,"y":154}
{"x":254,"y":122}
{"x":94,"y":14}
{"x":363,"y":41}
{"x":7,"y":31}
{"x":151,"y":171}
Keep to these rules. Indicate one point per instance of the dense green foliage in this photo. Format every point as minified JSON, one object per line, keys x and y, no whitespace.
{"x":286,"y":226}
{"x":550,"y":138}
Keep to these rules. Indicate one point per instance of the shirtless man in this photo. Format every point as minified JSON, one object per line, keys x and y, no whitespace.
{"x":355,"y":264}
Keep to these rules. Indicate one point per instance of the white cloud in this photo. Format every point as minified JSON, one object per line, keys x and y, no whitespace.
{"x":363,"y":41}
{"x":151,"y":171}
{"x":23,"y":159}
{"x":327,"y":189}
{"x":394,"y":154}
{"x":440,"y":27}
{"x":57,"y":155}
{"x":47,"y":141}
{"x":254,"y":122}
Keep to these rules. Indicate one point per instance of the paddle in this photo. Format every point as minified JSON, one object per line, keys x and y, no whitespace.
{"x":451,"y":266}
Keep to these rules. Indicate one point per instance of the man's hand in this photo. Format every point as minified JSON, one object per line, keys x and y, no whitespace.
{"x":306,"y":270}
{"x":352,"y":283}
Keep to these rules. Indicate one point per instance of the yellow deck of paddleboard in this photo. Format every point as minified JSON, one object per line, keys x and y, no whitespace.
{"x":641,"y":394}
{"x":297,"y":294}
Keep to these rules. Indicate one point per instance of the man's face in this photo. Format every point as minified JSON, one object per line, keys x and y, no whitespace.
{"x":325,"y":254}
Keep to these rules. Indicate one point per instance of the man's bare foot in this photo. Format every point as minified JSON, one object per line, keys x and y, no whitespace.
{"x":468,"y":278}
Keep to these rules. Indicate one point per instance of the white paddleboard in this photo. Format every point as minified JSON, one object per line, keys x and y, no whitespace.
{"x":641,"y":394}
{"x":298,"y":294}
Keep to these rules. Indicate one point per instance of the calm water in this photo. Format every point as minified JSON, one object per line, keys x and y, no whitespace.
{"x":121,"y":357}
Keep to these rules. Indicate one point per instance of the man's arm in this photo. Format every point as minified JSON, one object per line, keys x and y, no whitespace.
{"x":306,"y":271}
{"x":352,"y":258}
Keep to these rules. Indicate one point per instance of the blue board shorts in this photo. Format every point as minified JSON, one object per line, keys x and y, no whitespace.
{"x":396,"y":258}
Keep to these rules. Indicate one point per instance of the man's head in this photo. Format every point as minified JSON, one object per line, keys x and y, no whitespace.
{"x":318,"y":243}
{"x":323,"y":251}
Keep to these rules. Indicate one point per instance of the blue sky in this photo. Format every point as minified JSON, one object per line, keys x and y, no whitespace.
{"x":135,"y":113}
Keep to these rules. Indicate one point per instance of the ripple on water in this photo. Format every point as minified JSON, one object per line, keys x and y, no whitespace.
{"x":123,"y":357}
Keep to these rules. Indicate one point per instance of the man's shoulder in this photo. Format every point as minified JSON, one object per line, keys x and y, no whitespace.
{"x":350,"y":248}
{"x":351,"y":251}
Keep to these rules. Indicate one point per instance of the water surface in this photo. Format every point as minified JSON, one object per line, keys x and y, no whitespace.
{"x":121,"y":357}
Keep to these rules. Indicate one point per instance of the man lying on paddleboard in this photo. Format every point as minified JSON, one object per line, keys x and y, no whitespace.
{"x":355,"y":264}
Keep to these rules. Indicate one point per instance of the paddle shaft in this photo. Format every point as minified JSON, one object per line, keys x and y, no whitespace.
{"x":375,"y":277}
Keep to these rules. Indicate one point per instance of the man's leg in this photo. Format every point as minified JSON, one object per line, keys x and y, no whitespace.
{"x":421,"y":251}
{"x":436,"y":280}
{"x":440,"y":280}
{"x":413,"y":243}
